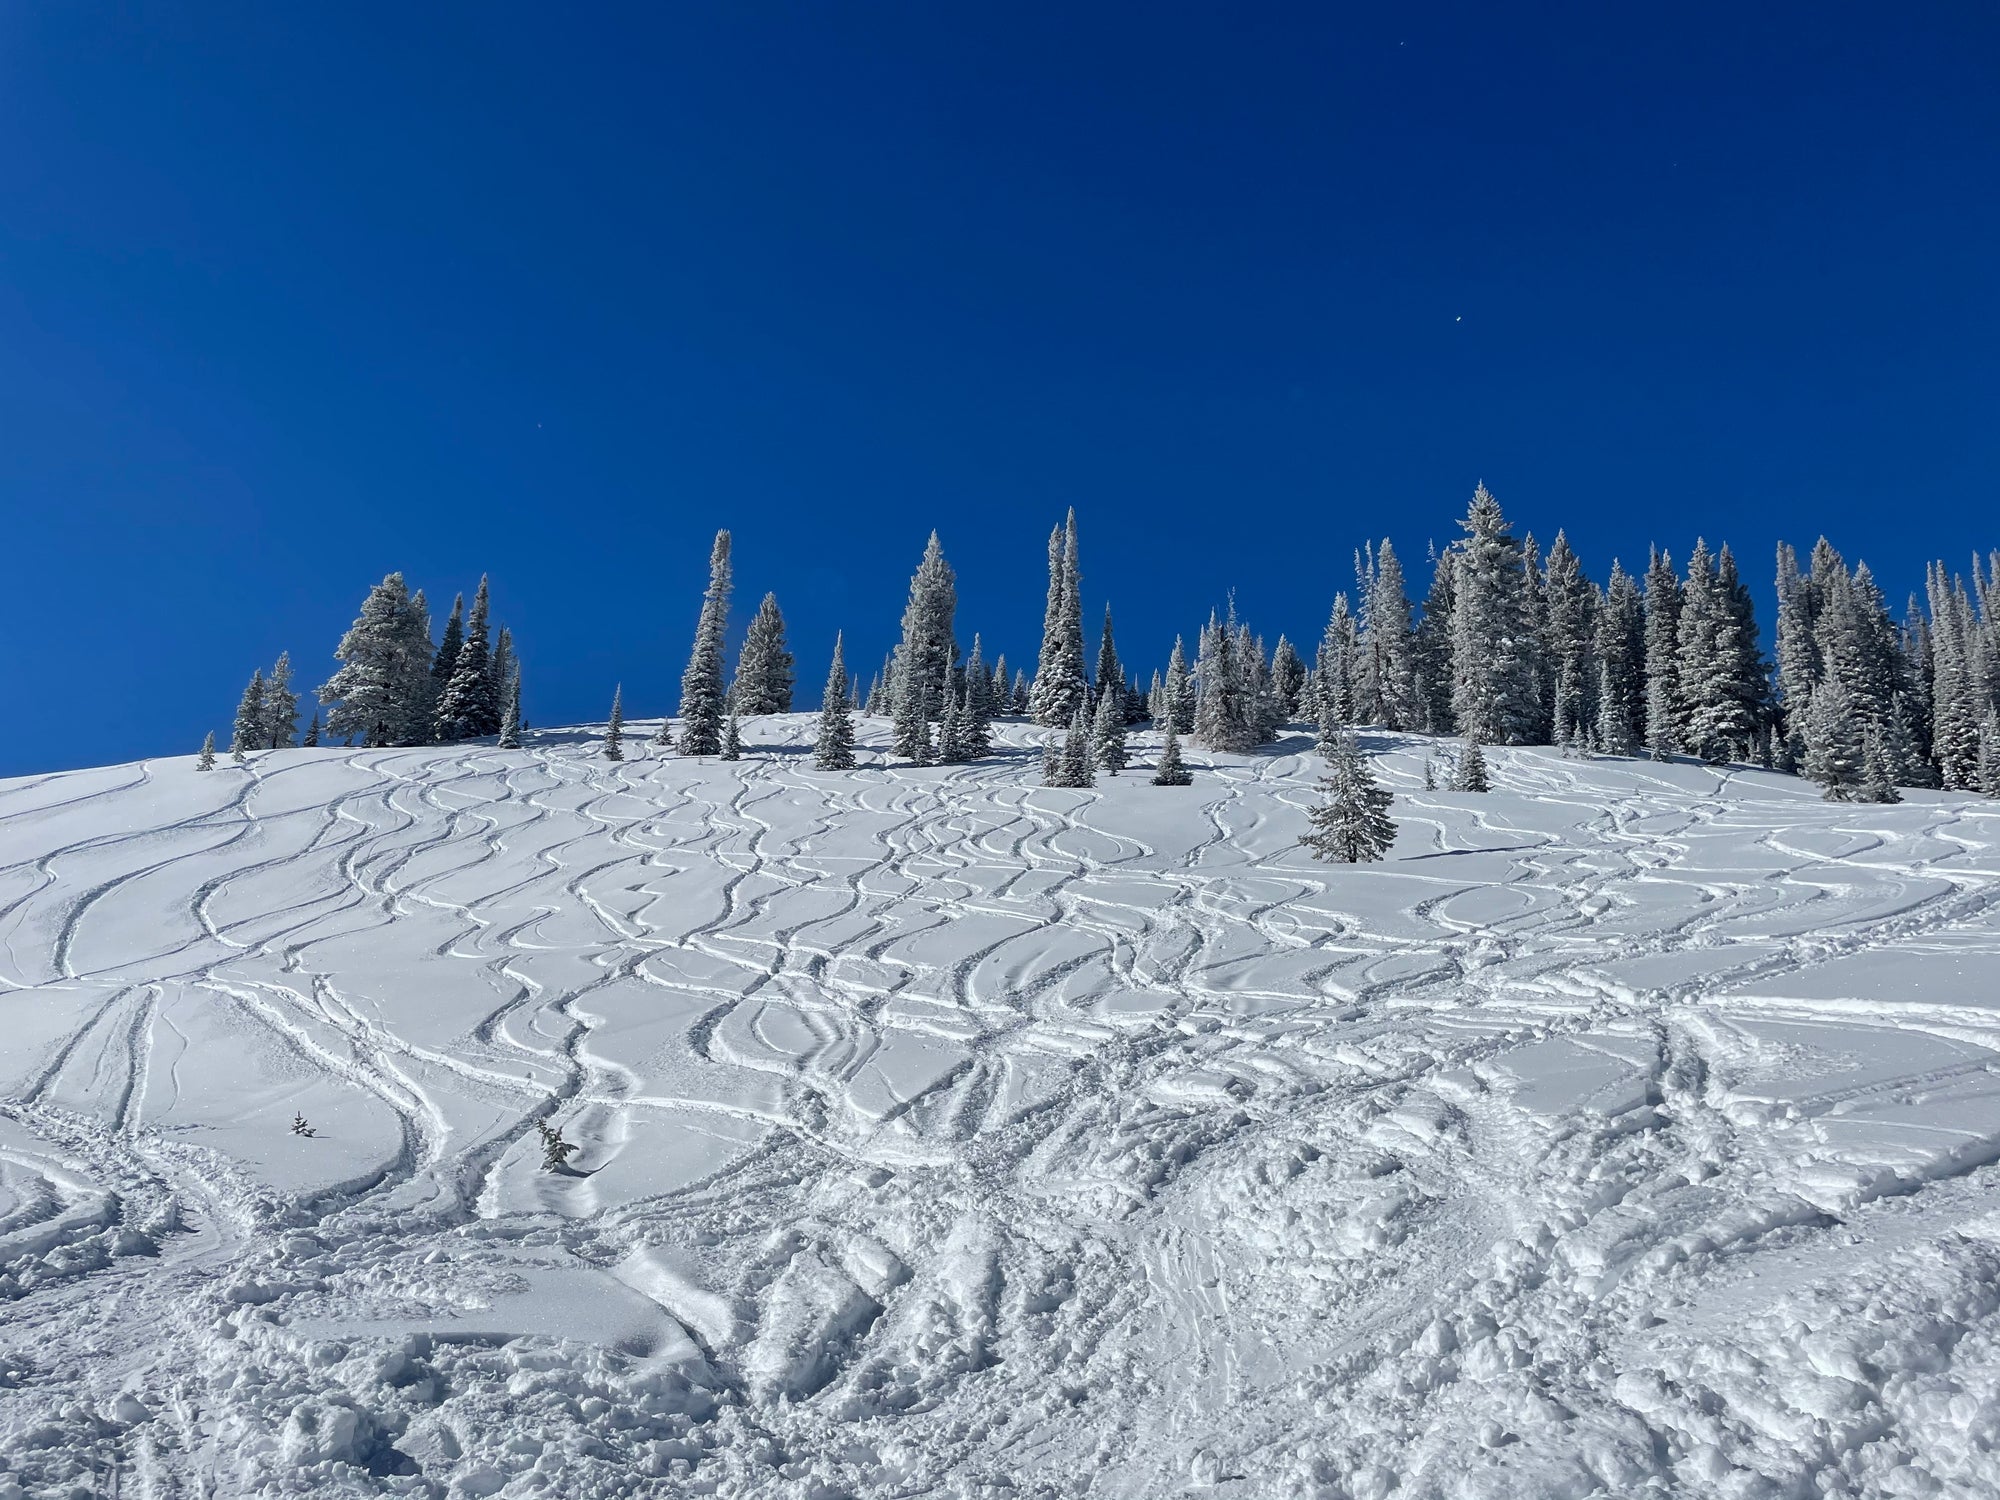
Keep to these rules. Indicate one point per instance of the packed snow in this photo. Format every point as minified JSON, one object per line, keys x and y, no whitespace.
{"x":1630,"y":1130}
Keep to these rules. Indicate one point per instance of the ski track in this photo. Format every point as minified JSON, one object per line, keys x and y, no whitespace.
{"x":1633,"y":1130}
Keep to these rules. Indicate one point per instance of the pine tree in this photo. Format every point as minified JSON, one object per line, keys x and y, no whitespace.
{"x":1107,"y":735}
{"x":381,"y":693}
{"x":833,"y":746}
{"x":1059,"y":680}
{"x":1469,"y":774}
{"x":979,"y":707}
{"x":1288,"y":677}
{"x":614,"y":730}
{"x":1621,"y":655}
{"x":447,"y":652}
{"x":500,"y":673}
{"x":1989,"y":755}
{"x":876,"y":704}
{"x":249,"y":731}
{"x":1077,"y":767}
{"x":1021,"y":698}
{"x":206,"y":760}
{"x":312,"y":733}
{"x":1958,"y":704}
{"x":1180,"y":689}
{"x":1156,"y":700}
{"x":510,"y":717}
{"x":1110,"y":672}
{"x":1434,"y":647}
{"x":702,"y":696}
{"x":1391,"y":640}
{"x":764,"y":677}
{"x":1663,"y":620}
{"x":1571,"y":643}
{"x":1260,"y":696}
{"x":1334,"y":667}
{"x":1835,"y":749}
{"x":1353,"y":824}
{"x":1430,"y":773}
{"x":279,"y":728}
{"x":732,"y":738}
{"x":1876,"y":783}
{"x":952,"y":749}
{"x":237,"y":756}
{"x":1495,"y":653}
{"x":1171,"y":771}
{"x":1224,"y":716}
{"x":467,"y":707}
{"x":922,"y":671}
{"x":1798,"y":653}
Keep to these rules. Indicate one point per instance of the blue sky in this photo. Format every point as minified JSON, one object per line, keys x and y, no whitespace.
{"x":292,"y":296}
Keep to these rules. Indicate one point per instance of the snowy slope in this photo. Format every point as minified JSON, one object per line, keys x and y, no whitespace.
{"x":1631,"y":1131}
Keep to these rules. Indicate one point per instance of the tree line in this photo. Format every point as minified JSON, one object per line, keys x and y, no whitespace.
{"x":1509,"y":646}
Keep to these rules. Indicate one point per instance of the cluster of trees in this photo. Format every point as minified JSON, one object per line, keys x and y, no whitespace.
{"x":1511,"y":645}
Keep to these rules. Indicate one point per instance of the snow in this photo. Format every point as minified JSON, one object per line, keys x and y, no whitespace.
{"x":1633,"y":1129}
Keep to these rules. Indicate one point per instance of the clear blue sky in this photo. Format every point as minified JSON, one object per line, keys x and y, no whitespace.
{"x":294,"y":295}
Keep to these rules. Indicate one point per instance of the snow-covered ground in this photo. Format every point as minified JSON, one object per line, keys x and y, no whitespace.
{"x":1631,"y":1131}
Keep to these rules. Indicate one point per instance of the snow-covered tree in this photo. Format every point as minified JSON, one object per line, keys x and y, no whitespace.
{"x":952,"y":749}
{"x":510,"y":717}
{"x":1571,"y":643}
{"x":1078,"y":768}
{"x":1434,"y":647}
{"x":1663,"y":622}
{"x":1334,"y":668}
{"x":1180,"y":690}
{"x":1390,"y":643}
{"x":467,"y":708}
{"x":764,"y":677}
{"x":1107,"y":733}
{"x":732,"y":738}
{"x":614,"y":729}
{"x":1352,"y":825}
{"x":833,"y":745}
{"x":1989,"y":754}
{"x":920,"y":677}
{"x":1469,"y":770}
{"x":1836,"y":749}
{"x":1172,"y":770}
{"x":206,"y":760}
{"x":1288,"y":677}
{"x":381,"y":692}
{"x":980,"y":703}
{"x":446,"y":657}
{"x":1110,"y":672}
{"x":1718,"y":672}
{"x":1494,"y":656}
{"x":311,"y":740}
{"x":1224,"y":716}
{"x":249,"y":731}
{"x":1059,"y":676}
{"x":1621,"y":657}
{"x":279,"y":727}
{"x":702,"y":695}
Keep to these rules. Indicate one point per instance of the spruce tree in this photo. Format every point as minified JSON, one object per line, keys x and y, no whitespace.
{"x":1835,"y":748}
{"x":732,"y":738}
{"x":238,"y":757}
{"x":1663,"y":619}
{"x":312,"y":733}
{"x":1107,"y":734}
{"x":1021,"y":697}
{"x":764,"y":676}
{"x":1434,"y":646}
{"x":1469,"y":772}
{"x":1798,"y":668}
{"x":1495,"y":652}
{"x":1334,"y":666}
{"x":614,"y":729}
{"x":1571,"y":643}
{"x":980,"y":705}
{"x":1391,"y":639}
{"x":380,"y":693}
{"x":1110,"y":672}
{"x":1353,"y":824}
{"x":279,"y":728}
{"x":1171,"y":771}
{"x":1876,"y":783}
{"x":1059,"y":676}
{"x":510,"y":717}
{"x":206,"y":760}
{"x":249,"y":730}
{"x":1989,"y":754}
{"x":922,"y":670}
{"x":1180,"y":689}
{"x":952,"y":748}
{"x":1621,"y":655}
{"x":446,"y":658}
{"x":500,"y":673}
{"x":1156,"y":700}
{"x":833,"y":745}
{"x":702,"y":696}
{"x":1077,"y":767}
{"x":467,"y":708}
{"x":1224,"y":711}
{"x":1288,"y":677}
{"x":1614,"y":719}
